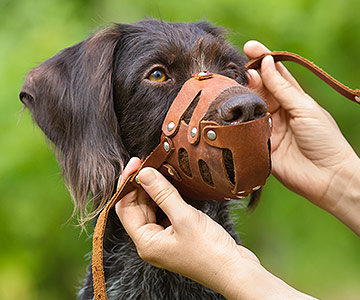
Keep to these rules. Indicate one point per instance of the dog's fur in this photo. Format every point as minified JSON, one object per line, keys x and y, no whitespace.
{"x":96,"y":105}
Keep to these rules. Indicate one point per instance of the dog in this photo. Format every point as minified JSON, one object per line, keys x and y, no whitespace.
{"x":103,"y":101}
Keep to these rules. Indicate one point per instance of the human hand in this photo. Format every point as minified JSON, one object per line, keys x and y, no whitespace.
{"x":310,"y":155}
{"x":191,"y":243}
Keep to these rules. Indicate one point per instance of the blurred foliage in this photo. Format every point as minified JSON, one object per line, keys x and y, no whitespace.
{"x":43,"y":254}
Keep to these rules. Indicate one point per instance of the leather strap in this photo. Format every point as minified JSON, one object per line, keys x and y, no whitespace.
{"x":179,"y":106}
{"x":155,"y":160}
{"x":353,"y":95}
{"x":218,"y":85}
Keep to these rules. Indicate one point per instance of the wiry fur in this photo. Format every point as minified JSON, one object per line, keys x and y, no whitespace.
{"x":94,"y":103}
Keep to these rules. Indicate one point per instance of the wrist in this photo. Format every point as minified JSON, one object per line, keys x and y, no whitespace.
{"x":250,"y":280}
{"x":343,"y":196}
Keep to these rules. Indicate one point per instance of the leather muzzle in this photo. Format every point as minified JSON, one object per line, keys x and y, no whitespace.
{"x":211,"y":161}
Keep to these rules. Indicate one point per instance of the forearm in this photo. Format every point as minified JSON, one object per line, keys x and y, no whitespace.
{"x":343,"y":195}
{"x":246,"y":279}
{"x":250,"y":281}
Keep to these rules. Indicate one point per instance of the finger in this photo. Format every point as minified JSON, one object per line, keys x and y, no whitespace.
{"x":133,"y":164}
{"x":132,"y":209}
{"x":135,"y":211}
{"x":163,"y":193}
{"x":287,"y":75}
{"x":255,"y":83}
{"x":147,"y":206}
{"x":289,"y":97}
{"x":253,"y":78}
{"x":255,"y":49}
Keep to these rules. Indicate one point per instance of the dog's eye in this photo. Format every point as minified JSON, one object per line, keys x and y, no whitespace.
{"x":158,"y":75}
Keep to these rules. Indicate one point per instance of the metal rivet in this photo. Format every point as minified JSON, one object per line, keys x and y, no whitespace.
{"x":357,"y":99}
{"x":171,"y":172}
{"x":171,"y":126}
{"x":270,"y":122}
{"x":256,"y":188}
{"x":137,"y":179}
{"x":202,"y":73}
{"x":241,"y":192}
{"x":211,"y":135}
{"x":193,"y":132}
{"x":166,"y":146}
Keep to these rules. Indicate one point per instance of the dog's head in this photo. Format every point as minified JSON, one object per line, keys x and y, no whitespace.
{"x":104,"y":100}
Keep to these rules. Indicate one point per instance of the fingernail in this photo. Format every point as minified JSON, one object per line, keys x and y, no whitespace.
{"x":147,"y":176}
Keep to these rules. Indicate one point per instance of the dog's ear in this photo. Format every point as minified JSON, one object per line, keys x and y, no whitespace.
{"x":71,"y":99}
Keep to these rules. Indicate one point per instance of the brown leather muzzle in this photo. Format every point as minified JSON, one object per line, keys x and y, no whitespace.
{"x":211,"y":161}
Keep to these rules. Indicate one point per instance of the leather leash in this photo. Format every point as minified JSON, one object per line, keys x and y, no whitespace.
{"x":154,"y":160}
{"x":160,"y":155}
{"x":353,"y":95}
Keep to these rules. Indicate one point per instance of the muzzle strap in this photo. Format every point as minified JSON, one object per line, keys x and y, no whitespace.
{"x":155,"y":160}
{"x":353,"y":95}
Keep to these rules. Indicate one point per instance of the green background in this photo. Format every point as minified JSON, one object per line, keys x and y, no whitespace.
{"x":43,"y":254}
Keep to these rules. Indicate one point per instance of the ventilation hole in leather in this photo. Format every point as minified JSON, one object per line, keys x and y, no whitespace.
{"x":269,"y":149}
{"x":189,"y":111}
{"x":229,"y":165}
{"x":205,"y":172}
{"x":184,"y":163}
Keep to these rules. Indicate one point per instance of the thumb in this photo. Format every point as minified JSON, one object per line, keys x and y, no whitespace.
{"x":291,"y":98}
{"x":163,"y":193}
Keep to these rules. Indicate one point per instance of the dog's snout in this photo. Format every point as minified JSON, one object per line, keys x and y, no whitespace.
{"x":242,"y":108}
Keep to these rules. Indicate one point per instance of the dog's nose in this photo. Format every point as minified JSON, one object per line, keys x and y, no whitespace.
{"x":242,"y":108}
